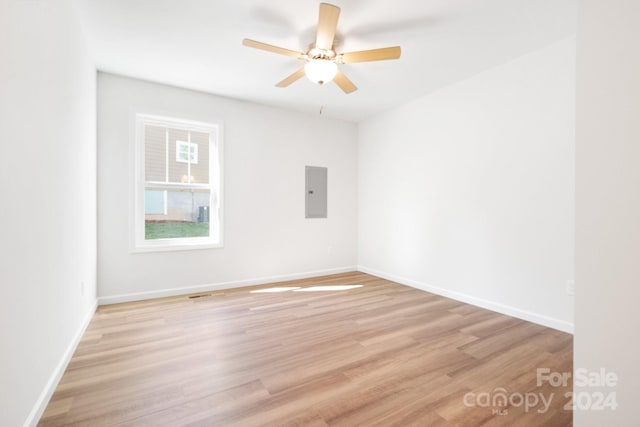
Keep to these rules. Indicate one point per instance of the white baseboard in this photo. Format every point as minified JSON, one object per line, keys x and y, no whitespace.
{"x":50,"y":387}
{"x":540,"y":319}
{"x":114,"y":299}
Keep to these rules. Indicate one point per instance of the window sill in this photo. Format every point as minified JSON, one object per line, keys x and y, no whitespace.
{"x":166,"y":246}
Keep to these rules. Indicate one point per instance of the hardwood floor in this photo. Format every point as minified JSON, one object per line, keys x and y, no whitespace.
{"x":380,"y":354}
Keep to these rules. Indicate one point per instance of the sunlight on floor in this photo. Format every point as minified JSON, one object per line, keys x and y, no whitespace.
{"x":281,"y":289}
{"x":328,"y":288}
{"x":310,"y":289}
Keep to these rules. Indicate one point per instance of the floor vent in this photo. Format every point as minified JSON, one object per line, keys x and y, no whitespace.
{"x":199,"y":296}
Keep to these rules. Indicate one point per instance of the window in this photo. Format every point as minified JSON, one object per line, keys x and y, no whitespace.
{"x":178,"y":199}
{"x":186,"y":152}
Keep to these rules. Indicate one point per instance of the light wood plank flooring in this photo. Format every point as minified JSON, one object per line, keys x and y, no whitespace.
{"x":380,"y":354}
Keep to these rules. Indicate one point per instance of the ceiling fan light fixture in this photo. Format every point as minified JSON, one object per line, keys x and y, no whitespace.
{"x":320,"y":71}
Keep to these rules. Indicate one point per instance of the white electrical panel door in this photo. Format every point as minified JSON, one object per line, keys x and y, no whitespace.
{"x":315,"y":192}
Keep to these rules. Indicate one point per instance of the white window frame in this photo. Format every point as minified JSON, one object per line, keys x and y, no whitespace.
{"x":216,"y":185}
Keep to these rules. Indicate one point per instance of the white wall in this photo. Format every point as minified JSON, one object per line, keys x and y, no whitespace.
{"x":608,"y":203}
{"x":468,"y":192}
{"x":266,"y":234}
{"x":47,"y":200}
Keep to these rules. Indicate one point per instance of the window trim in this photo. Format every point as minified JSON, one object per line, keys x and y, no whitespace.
{"x":138,"y":243}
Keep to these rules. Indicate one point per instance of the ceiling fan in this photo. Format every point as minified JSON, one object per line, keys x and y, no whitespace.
{"x":321,"y":59}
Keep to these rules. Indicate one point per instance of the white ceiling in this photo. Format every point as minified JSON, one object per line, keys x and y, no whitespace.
{"x":197,"y":44}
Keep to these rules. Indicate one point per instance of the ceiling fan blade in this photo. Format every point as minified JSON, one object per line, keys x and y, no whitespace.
{"x":292,"y":78}
{"x":370,"y":55}
{"x":345,"y":84}
{"x":271,"y":48}
{"x":327,"y":24}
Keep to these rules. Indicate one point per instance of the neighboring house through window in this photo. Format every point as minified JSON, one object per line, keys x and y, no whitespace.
{"x":186,"y":152}
{"x":178,"y":197}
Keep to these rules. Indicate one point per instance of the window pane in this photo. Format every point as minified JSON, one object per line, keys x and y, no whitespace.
{"x":178,"y":171}
{"x":177,"y":196}
{"x":187,"y":216}
{"x":155,"y":152}
{"x":200,"y":170}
